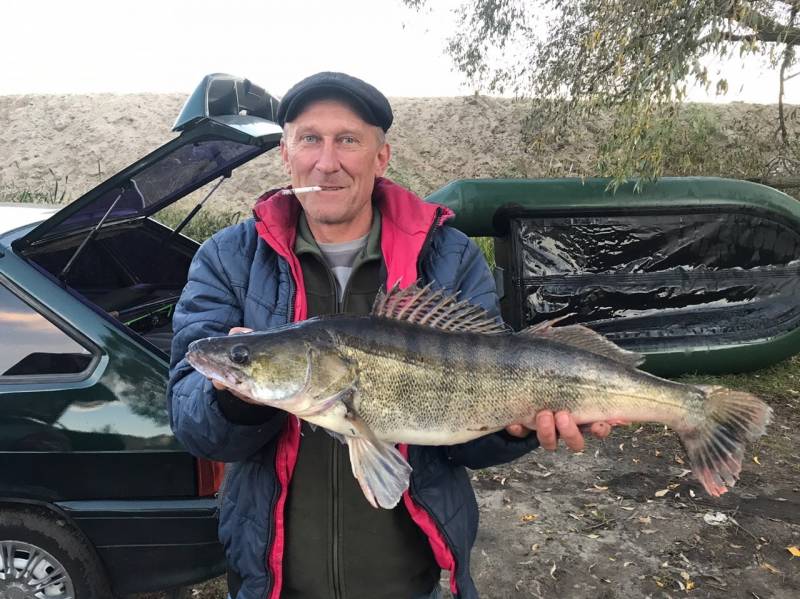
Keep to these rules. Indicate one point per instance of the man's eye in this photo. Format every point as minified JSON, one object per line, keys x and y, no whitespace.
{"x":308,"y":139}
{"x":349,"y":139}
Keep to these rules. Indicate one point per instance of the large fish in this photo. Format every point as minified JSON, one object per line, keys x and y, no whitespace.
{"x":427,"y":369}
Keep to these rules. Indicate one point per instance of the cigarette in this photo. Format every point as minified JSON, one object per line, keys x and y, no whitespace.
{"x":296,"y":190}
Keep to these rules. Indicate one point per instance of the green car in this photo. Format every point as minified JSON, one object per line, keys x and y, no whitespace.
{"x":97,"y":498}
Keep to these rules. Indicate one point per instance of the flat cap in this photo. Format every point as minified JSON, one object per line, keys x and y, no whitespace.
{"x":370,"y":104}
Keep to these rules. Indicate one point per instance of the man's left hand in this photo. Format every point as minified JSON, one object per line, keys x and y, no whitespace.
{"x":550,"y":427}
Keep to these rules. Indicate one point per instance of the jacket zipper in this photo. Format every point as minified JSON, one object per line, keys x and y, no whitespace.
{"x":428,"y":240}
{"x":336,"y":575}
{"x":335,"y":557}
{"x":271,"y":533}
{"x":276,"y":492}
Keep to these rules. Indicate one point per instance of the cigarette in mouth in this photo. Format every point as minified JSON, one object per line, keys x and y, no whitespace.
{"x":296,"y":190}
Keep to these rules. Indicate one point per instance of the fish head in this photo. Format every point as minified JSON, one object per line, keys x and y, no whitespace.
{"x":268,"y":367}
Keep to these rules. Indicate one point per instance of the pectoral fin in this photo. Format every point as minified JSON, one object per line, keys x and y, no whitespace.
{"x":381,"y":470}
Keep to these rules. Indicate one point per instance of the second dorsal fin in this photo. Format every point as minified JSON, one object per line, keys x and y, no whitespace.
{"x":424,"y":306}
{"x":584,"y":338}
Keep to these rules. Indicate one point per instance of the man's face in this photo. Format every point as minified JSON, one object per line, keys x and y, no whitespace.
{"x":331,"y":146}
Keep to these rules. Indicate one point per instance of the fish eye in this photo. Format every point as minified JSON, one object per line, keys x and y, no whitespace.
{"x":239,"y":354}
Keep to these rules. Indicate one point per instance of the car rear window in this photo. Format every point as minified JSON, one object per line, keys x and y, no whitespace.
{"x":31,"y":345}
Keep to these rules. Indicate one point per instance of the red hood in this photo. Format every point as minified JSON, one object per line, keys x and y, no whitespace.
{"x":405,"y":222}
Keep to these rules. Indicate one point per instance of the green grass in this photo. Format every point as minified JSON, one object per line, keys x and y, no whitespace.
{"x":486,"y":246}
{"x":780,"y":381}
{"x":203,"y":225}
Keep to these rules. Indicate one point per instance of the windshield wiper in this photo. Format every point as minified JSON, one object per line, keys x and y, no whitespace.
{"x":62,"y":276}
{"x":196,"y":209}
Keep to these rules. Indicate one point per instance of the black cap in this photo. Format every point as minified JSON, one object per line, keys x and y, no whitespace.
{"x":370,"y":104}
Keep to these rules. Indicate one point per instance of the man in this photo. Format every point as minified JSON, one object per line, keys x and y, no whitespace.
{"x":293,"y":519}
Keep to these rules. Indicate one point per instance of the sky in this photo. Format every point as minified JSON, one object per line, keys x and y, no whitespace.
{"x":126,"y":46}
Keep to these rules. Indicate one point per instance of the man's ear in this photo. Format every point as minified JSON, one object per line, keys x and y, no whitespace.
{"x":382,"y":159}
{"x":287,"y":167}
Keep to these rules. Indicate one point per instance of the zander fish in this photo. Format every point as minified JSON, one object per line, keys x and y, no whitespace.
{"x":427,"y":369}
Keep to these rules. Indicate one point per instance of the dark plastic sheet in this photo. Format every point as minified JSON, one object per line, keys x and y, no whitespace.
{"x":659,"y":281}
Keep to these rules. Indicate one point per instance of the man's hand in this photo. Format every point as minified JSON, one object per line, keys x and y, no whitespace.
{"x":550,"y":427}
{"x":221,"y":386}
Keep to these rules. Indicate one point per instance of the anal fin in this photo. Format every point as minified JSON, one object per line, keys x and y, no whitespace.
{"x":381,"y":470}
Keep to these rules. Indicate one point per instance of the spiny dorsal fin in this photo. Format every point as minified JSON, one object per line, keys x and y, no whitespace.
{"x":424,"y":306}
{"x":584,"y":338}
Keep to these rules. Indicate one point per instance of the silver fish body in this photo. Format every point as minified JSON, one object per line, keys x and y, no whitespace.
{"x":428,"y":370}
{"x":420,"y":386}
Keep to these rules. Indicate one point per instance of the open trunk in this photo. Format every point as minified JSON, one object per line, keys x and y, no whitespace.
{"x":106,"y":248}
{"x":133,"y":271}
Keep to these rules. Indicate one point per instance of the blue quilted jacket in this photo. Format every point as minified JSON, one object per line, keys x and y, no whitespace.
{"x":244,"y":276}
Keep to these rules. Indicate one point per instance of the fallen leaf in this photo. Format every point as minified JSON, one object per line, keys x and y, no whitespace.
{"x":715,"y":518}
{"x":679,"y":460}
{"x":794,"y":551}
{"x":593,"y":536}
{"x":661,"y":493}
{"x":689,"y":585}
{"x":627,"y":508}
{"x":649,"y":531}
{"x":553,"y":571}
{"x":737,"y":546}
{"x":770,"y":568}
{"x":600,"y":488}
{"x":755,"y":459}
{"x":684,"y":575}
{"x":529,"y":517}
{"x":644,"y":520}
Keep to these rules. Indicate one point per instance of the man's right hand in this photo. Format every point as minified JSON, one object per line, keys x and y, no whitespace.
{"x":219,"y":386}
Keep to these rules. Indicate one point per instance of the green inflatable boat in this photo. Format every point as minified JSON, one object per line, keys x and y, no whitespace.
{"x":699,"y":274}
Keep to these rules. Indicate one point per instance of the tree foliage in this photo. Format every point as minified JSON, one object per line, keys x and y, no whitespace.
{"x":577,"y":58}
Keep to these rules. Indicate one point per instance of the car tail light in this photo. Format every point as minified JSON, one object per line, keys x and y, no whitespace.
{"x":209,"y":477}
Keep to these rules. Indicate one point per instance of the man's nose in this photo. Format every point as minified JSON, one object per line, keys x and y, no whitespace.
{"x":328,"y":159}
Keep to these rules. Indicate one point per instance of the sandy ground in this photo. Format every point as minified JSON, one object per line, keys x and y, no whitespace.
{"x":625,"y":519}
{"x":76,"y":141}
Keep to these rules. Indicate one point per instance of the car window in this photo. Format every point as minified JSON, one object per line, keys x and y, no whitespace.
{"x":32,"y":346}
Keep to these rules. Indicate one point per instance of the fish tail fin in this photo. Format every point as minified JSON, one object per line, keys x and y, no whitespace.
{"x":716,"y":446}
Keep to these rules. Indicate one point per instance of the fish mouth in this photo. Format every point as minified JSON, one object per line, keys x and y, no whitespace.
{"x":210,"y":369}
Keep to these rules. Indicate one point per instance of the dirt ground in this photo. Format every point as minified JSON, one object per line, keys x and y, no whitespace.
{"x":625,"y":519}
